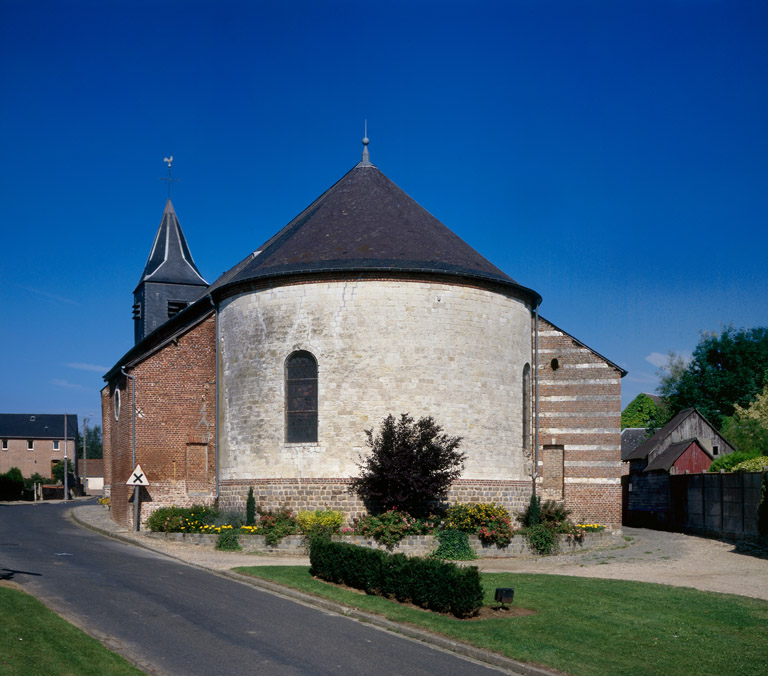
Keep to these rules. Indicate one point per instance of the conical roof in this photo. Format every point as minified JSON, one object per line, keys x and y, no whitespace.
{"x":366,"y":223}
{"x":170,"y":260}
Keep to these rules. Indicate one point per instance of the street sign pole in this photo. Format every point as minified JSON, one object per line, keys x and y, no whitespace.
{"x":137,"y":480}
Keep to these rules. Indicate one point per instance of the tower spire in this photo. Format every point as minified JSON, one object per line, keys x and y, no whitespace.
{"x":366,"y":161}
{"x":169,"y":161}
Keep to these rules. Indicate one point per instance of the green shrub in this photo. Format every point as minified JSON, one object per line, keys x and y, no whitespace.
{"x":728,"y":462}
{"x":757,"y":464}
{"x":392,"y":526}
{"x":250,"y":508}
{"x":541,"y":538}
{"x":11,"y":485}
{"x":489,"y":521}
{"x":228,"y":541}
{"x":454,"y":545}
{"x":530,"y":515}
{"x":429,"y":583}
{"x":277,"y":524}
{"x":320,"y":522}
{"x":182,"y":519}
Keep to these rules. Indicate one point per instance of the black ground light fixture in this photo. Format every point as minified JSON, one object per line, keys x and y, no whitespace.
{"x":504,"y":595}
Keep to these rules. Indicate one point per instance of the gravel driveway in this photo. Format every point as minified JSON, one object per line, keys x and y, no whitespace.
{"x":643,"y":555}
{"x":655,"y":556}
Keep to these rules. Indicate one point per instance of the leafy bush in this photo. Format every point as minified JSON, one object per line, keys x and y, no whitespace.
{"x":454,"y":545}
{"x":541,"y":538}
{"x":411,"y":467}
{"x":728,"y":462}
{"x":228,"y":541}
{"x":233,"y":519}
{"x":429,"y":583}
{"x":250,"y":508}
{"x":392,"y":526}
{"x":276,"y":524}
{"x":757,"y":464}
{"x":11,"y":484}
{"x":489,"y":521}
{"x":544,"y":522}
{"x":182,"y":519}
{"x":320,"y":522}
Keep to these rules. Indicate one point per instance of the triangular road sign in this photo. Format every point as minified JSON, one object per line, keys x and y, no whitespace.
{"x":138,"y":478}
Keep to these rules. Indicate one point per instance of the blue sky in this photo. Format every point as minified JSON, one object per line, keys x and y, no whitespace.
{"x":611,"y":155}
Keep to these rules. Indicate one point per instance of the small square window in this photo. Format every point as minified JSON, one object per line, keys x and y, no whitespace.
{"x":30,"y":444}
{"x":5,"y":444}
{"x":56,"y":445}
{"x":715,"y":450}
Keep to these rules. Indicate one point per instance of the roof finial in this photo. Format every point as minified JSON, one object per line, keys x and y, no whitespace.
{"x":169,"y":161}
{"x":366,"y":161}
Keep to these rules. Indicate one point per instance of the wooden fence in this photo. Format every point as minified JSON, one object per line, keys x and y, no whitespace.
{"x":723,"y":504}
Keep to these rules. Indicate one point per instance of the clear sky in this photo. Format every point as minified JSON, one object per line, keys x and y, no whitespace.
{"x":613,"y":156}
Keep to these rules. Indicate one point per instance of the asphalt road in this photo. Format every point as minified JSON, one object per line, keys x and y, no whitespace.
{"x":175,"y":619}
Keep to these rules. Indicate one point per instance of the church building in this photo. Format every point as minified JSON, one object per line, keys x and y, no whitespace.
{"x":362,"y":306}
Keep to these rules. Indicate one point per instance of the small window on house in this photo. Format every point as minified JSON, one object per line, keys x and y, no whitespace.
{"x":5,"y":444}
{"x":31,"y":418}
{"x":56,"y":445}
{"x":715,"y":450}
{"x":30,"y":444}
{"x":117,"y":404}
{"x":555,"y":364}
{"x":300,"y":398}
{"x":176,"y":306}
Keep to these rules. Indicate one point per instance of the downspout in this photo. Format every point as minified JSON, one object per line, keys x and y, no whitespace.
{"x":133,"y":447}
{"x":536,"y":398}
{"x":216,"y":401}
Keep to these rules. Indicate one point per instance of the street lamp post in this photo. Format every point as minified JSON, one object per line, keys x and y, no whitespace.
{"x":66,"y":487}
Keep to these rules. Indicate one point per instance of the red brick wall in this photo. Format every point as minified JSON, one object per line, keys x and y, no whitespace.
{"x":175,"y":426}
{"x":580,"y":410}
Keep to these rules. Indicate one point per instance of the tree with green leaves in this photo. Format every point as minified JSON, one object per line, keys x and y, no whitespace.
{"x":728,"y":369}
{"x":92,"y":443}
{"x":643,"y":411}
{"x":747,"y":428}
{"x":411,"y":466}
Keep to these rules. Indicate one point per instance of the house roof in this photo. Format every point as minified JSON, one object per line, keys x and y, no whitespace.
{"x":651,"y":444}
{"x":37,"y":426}
{"x":669,"y":456}
{"x":170,"y":261}
{"x":363,"y":223}
{"x":631,"y":438}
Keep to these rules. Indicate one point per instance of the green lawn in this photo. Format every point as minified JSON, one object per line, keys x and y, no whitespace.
{"x":590,"y":627}
{"x":36,"y":642}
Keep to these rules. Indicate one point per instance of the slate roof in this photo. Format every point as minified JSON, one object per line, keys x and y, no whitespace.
{"x":170,"y":260}
{"x":364,"y":223}
{"x":668,"y":456}
{"x":631,"y":438}
{"x":36,"y":426}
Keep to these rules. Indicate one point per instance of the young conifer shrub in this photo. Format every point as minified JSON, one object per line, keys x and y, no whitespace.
{"x":250,"y":508}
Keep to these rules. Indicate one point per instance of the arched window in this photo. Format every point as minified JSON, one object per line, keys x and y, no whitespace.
{"x":300,"y":398}
{"x":527,"y":407}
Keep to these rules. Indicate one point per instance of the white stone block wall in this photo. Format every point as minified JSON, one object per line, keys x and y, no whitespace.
{"x":382,"y":346}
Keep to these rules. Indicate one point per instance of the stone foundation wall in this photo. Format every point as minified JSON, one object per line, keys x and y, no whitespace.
{"x":414,"y":545}
{"x":303,"y":494}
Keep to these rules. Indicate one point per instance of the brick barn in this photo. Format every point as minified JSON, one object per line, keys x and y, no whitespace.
{"x":362,"y":306}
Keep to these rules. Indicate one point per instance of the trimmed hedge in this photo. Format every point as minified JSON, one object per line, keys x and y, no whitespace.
{"x":429,"y":583}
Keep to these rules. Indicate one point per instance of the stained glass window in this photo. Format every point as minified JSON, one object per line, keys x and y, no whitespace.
{"x":300,"y":398}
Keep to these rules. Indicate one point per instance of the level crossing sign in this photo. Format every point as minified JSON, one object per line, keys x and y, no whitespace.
{"x":138,"y":478}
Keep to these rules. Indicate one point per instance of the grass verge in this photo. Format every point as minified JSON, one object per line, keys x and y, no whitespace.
{"x":37,"y":642}
{"x":589,"y":627}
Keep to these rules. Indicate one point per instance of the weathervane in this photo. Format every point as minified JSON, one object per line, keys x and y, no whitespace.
{"x":169,"y":161}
